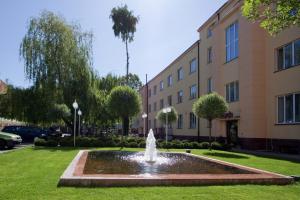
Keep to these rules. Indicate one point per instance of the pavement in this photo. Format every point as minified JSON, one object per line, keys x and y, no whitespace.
{"x":17,"y":147}
{"x":293,"y":157}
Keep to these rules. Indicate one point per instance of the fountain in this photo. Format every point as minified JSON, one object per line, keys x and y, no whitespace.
{"x":150,"y":152}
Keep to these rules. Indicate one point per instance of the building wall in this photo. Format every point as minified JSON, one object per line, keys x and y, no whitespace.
{"x":255,"y":70}
{"x":184,"y":108}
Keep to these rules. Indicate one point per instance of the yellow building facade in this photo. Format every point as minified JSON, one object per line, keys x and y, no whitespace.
{"x":257,"y":74}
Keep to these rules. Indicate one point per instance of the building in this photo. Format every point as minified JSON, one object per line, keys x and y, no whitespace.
{"x":3,"y":87}
{"x":257,"y":74}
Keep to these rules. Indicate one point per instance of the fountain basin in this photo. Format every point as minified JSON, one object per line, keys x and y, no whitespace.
{"x":119,"y":168}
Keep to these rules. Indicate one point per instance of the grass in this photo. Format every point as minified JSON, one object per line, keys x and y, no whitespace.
{"x":33,"y":173}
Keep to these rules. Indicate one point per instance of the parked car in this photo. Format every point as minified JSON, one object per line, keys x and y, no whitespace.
{"x":9,"y":140}
{"x":27,"y":133}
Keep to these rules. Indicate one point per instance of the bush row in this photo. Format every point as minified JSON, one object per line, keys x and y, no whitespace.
{"x":128,"y":142}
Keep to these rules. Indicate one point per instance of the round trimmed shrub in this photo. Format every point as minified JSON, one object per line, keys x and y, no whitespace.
{"x":39,"y":142}
{"x":204,"y":145}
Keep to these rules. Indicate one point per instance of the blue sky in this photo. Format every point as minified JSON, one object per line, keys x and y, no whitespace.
{"x":165,"y":30}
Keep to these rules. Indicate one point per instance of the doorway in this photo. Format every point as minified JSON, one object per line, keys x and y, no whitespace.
{"x":232,"y":132}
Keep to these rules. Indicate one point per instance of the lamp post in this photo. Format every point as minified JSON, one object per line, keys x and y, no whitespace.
{"x":79,"y":114}
{"x":167,"y":111}
{"x":75,"y":106}
{"x":144,"y":116}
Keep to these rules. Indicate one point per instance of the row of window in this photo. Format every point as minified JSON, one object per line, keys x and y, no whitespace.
{"x":192,"y":122}
{"x":180,"y":76}
{"x":193,"y":95}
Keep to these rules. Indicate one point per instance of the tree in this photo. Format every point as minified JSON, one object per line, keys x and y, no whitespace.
{"x":124,"y":26}
{"x":172,"y":116}
{"x":57,"y":59}
{"x":273,"y":15}
{"x":124,"y":102}
{"x":132,"y":81}
{"x":210,"y":107}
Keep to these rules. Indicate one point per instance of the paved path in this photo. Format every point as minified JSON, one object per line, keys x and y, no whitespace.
{"x":294,"y":157}
{"x":17,"y":147}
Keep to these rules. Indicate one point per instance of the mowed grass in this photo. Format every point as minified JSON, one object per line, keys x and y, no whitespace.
{"x":33,"y":173}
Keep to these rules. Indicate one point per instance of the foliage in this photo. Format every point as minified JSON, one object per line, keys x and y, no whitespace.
{"x":210,"y":107}
{"x":273,"y":15}
{"x":132,"y":81}
{"x":124,"y":26}
{"x":124,"y":102}
{"x":172,"y":116}
{"x":57,"y":59}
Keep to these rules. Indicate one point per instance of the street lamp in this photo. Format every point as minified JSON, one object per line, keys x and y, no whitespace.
{"x":166,"y":111}
{"x":75,"y":106}
{"x":79,"y":114}
{"x":144,"y":116}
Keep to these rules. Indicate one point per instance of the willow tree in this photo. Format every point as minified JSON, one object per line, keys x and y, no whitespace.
{"x":273,"y":15}
{"x":124,"y":26}
{"x":57,"y":59}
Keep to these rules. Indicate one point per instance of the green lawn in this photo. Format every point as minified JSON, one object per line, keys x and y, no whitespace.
{"x":33,"y":174}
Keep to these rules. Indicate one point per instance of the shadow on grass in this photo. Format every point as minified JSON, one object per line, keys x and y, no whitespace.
{"x":225,"y":155}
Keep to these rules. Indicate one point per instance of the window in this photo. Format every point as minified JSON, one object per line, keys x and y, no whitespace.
{"x":161,"y":85}
{"x":288,"y":108}
{"x":149,"y":93}
{"x":154,"y":89}
{"x":232,"y":42}
{"x":154,"y":126}
{"x":232,"y":91}
{"x":170,"y":100}
{"x":193,"y":66}
{"x":193,"y":92}
{"x":149,"y":108}
{"x":209,"y":55}
{"x":149,"y":123}
{"x":193,"y":121}
{"x":155,"y":106}
{"x":170,"y":80}
{"x":209,"y":32}
{"x":289,"y":55}
{"x":180,"y":121}
{"x":179,"y":96}
{"x":161,"y":104}
{"x":209,"y":85}
{"x":180,"y":74}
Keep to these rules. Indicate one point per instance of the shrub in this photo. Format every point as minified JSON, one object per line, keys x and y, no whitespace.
{"x":195,"y":145}
{"x":51,"y":143}
{"x":204,"y":145}
{"x":39,"y":142}
{"x":66,"y":142}
{"x":187,"y":145}
{"x":133,"y":144}
{"x":83,"y":142}
{"x":142,"y":144}
{"x":216,"y":146}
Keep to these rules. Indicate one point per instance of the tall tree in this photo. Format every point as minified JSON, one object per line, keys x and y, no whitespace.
{"x":210,"y":107}
{"x":58,"y":58}
{"x":124,"y":26}
{"x":273,"y":15}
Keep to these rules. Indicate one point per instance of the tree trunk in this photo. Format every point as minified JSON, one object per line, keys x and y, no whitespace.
{"x":209,"y":122}
{"x":125,"y":126}
{"x":127,"y":63}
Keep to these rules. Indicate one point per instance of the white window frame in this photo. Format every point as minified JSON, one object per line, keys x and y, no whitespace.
{"x":180,"y":69}
{"x":195,"y":92}
{"x":194,"y":60}
{"x":235,"y":40}
{"x":235,"y":99}
{"x":284,"y":109}
{"x":161,"y":85}
{"x":209,"y":85}
{"x":170,"y":80}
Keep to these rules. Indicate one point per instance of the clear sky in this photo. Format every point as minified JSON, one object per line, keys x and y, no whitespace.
{"x":165,"y":30}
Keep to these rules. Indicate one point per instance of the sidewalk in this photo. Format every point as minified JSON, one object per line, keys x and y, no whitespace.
{"x":293,"y":157}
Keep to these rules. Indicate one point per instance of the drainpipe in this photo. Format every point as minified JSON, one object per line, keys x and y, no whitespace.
{"x":147,"y":111}
{"x":198,"y":60}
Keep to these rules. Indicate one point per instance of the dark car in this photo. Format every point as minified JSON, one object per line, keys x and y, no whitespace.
{"x":27,"y":133}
